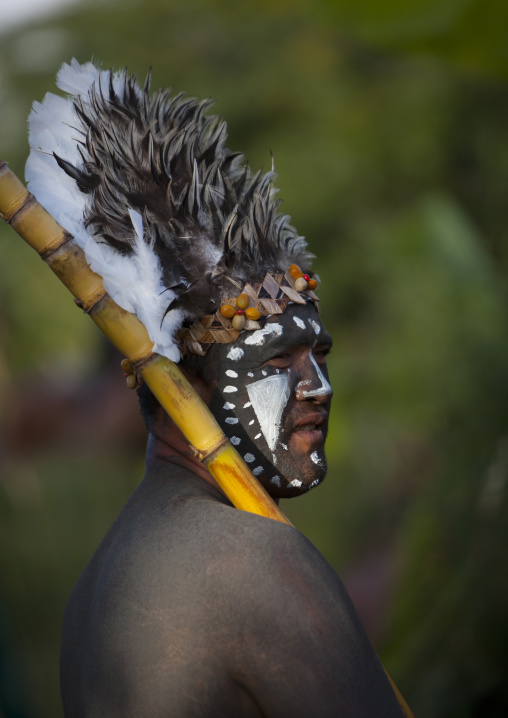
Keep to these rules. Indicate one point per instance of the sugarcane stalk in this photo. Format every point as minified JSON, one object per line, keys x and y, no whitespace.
{"x":174,"y":392}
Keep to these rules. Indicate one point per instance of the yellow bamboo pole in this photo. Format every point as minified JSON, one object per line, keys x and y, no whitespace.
{"x":57,"y":248}
{"x":176,"y":395}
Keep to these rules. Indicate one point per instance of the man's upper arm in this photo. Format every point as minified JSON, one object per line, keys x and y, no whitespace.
{"x":303,"y":651}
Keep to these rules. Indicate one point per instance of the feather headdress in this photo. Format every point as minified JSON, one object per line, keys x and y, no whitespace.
{"x":164,"y":212}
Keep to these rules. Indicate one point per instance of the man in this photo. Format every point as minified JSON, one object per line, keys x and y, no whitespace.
{"x":191,"y":607}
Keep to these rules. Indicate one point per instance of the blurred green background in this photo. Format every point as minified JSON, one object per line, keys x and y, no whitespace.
{"x":389,"y":126}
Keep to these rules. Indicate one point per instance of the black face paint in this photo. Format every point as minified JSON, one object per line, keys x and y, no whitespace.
{"x":273,"y":397}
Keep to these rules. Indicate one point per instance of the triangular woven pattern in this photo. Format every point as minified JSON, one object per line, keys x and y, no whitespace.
{"x":271,"y":296}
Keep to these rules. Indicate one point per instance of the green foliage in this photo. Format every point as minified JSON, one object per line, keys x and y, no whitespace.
{"x":388,"y":127}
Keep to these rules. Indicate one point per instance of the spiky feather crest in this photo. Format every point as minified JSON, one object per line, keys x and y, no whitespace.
{"x":166,"y":214}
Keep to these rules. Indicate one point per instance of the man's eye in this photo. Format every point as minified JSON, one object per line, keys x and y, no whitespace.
{"x":280,"y":361}
{"x":321,"y":353}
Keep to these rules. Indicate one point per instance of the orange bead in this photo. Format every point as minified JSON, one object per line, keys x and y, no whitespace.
{"x":243,"y":301}
{"x":126,"y":366}
{"x":239,"y":321}
{"x":311,"y":284}
{"x":228,"y":311}
{"x":252,"y":313}
{"x":295,"y":271}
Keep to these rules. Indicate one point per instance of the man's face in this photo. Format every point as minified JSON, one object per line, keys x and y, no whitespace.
{"x":272,"y":398}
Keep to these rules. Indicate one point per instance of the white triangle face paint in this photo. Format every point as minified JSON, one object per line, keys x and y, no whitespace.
{"x":269,"y":397}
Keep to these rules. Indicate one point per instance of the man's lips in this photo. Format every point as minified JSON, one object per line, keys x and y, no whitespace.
{"x":308,"y":428}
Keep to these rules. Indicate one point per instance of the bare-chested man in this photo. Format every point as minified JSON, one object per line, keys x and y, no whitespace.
{"x":190,"y":607}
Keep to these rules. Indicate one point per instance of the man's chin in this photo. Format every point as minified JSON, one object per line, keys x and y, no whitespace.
{"x":294,"y":482}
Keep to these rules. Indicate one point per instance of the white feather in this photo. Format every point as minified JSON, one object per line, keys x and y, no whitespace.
{"x":135,"y":282}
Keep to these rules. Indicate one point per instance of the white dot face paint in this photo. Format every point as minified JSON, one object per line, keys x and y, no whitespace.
{"x":251,"y":422}
{"x":322,"y":390}
{"x":258,"y":470}
{"x":315,"y":458}
{"x":235,"y":353}
{"x":258,"y":436}
{"x":231,"y":420}
{"x":231,"y":373}
{"x":235,"y":440}
{"x":228,"y":406}
{"x":269,"y":397}
{"x":247,"y":404}
{"x":250,"y":373}
{"x":295,"y":483}
{"x":275,"y":480}
{"x":258,"y":338}
{"x":299,"y":322}
{"x":315,"y":326}
{"x":230,"y":389}
{"x":249,"y":458}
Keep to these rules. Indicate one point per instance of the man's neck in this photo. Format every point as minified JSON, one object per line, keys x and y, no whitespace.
{"x":171,"y":446}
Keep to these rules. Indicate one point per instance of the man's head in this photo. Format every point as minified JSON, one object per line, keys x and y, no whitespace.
{"x":185,"y":236}
{"x":272,"y":398}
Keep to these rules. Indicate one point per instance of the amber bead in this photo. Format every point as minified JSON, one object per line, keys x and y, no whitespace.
{"x":295,"y":271}
{"x":311,"y":284}
{"x":243,"y":301}
{"x":126,"y":366}
{"x":239,"y":321}
{"x":131,"y":381}
{"x":228,"y":311}
{"x":252,"y":313}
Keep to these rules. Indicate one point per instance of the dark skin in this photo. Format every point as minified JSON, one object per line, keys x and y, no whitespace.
{"x":191,"y":608}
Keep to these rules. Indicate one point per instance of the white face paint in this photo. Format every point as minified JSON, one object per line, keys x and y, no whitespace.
{"x":315,"y":326}
{"x":231,"y":420}
{"x":299,"y":322}
{"x":258,"y":470}
{"x":322,"y":390}
{"x":258,"y":337}
{"x":315,"y":458}
{"x":235,"y":353}
{"x":235,"y":440}
{"x":249,"y":458}
{"x":231,"y":373}
{"x":230,"y":389}
{"x":295,"y":483}
{"x":269,"y":397}
{"x":228,"y":406}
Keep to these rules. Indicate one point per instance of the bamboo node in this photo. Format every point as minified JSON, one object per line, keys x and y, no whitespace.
{"x":204,"y":455}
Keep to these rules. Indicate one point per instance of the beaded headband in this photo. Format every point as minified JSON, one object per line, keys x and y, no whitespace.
{"x":238,"y":314}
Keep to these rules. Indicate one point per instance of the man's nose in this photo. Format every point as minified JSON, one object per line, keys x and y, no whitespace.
{"x":313,"y":383}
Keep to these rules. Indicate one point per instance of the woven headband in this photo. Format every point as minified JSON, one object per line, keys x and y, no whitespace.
{"x":242,"y":313}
